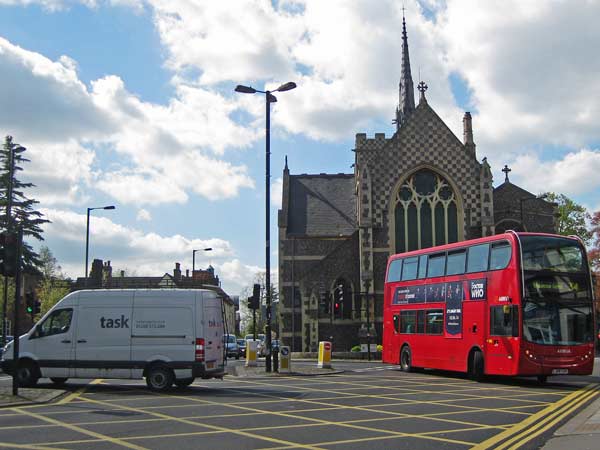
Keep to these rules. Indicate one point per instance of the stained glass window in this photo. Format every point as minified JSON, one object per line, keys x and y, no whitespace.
{"x":425,"y":213}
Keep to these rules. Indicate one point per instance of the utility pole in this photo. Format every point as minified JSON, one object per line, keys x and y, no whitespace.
{"x":15,"y":384}
{"x":9,"y":200}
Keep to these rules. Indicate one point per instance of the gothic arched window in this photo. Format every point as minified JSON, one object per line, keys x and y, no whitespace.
{"x":425,"y":212}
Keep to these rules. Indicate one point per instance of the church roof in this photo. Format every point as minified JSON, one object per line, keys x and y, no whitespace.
{"x":322,"y":205}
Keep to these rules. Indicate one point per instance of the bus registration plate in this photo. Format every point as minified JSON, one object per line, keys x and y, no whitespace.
{"x":560,"y":371}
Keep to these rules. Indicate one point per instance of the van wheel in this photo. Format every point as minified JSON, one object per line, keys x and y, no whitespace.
{"x":159,"y":378}
{"x":476,"y":367}
{"x":58,"y":380}
{"x":184,"y":382}
{"x":405,"y":359}
{"x":27,"y":374}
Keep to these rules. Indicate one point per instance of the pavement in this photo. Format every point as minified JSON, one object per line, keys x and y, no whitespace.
{"x":582,"y":432}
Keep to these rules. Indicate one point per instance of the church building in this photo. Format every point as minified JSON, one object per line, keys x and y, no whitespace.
{"x":418,"y":188}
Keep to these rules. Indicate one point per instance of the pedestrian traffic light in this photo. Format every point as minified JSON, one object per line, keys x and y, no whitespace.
{"x":8,"y":253}
{"x":254,"y":301}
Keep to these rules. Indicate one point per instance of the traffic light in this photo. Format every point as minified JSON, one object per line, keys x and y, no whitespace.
{"x":254,"y":301}
{"x":324,"y":303}
{"x":29,"y":303}
{"x":8,"y":253}
{"x":338,"y":301}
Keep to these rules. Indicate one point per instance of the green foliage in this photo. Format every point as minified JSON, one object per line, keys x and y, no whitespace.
{"x":53,"y":286}
{"x":22,"y":208}
{"x":356,"y":348}
{"x":571,"y":217}
{"x":594,"y":253}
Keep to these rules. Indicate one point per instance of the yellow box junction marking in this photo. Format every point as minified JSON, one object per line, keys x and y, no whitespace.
{"x":102,"y":437}
{"x":69,"y":398}
{"x":542,"y":421}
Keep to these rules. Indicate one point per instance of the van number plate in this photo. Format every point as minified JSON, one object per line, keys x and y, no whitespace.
{"x":560,"y":371}
{"x":210,"y":365}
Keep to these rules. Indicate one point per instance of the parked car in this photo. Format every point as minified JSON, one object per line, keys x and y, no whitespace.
{"x":242,"y":347}
{"x":231,"y":344}
{"x":262,"y":347}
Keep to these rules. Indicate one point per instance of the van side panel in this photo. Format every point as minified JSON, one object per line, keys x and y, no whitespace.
{"x":210,"y":327}
{"x":103,"y":337}
{"x":163,"y":330}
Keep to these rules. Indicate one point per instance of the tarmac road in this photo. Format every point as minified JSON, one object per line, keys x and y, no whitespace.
{"x":369,"y":405}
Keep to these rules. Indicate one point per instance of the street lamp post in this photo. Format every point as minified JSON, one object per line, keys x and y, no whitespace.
{"x":87,"y":238}
{"x":208,"y":249}
{"x":524,"y":199}
{"x":269,"y":98}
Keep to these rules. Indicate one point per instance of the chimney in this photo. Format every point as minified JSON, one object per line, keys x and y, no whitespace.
{"x":468,"y":133}
{"x":177,"y":272}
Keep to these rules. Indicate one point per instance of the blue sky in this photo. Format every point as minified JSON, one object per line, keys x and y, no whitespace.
{"x":131,"y":103}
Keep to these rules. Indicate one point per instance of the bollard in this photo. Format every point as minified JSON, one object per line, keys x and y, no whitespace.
{"x":275,"y":360}
{"x":285,"y":365}
{"x":251,"y":348}
{"x":324,"y":355}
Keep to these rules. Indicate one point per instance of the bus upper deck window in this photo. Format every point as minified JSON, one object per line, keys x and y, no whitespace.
{"x":423,"y":266}
{"x":395,"y":270}
{"x":477,"y":260}
{"x":456,"y":263}
{"x":436,"y":265}
{"x":500,"y":255}
{"x":409,"y":269}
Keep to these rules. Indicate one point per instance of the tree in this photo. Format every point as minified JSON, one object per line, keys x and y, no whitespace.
{"x":22,"y":210}
{"x":571,"y":217}
{"x":246,"y":321}
{"x":53,"y":286}
{"x":594,"y":253}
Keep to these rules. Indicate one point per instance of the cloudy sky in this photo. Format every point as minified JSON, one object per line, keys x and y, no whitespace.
{"x":131,"y":103}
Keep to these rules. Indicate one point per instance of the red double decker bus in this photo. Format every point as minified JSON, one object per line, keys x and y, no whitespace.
{"x":509,"y":304}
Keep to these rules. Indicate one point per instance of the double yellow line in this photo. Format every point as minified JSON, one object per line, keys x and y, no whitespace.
{"x":540,"y":422}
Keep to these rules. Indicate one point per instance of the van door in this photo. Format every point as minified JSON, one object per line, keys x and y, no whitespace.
{"x":52,"y":343}
{"x":212,"y":322}
{"x":103,"y":345}
{"x":163,"y":329}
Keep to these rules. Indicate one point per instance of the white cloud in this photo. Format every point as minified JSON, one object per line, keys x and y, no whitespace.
{"x":65,"y":126}
{"x":143,"y":253}
{"x":276,"y":192}
{"x":144,"y":215}
{"x":530,"y":71}
{"x":47,"y":100}
{"x":575,"y":174}
{"x":238,"y":273}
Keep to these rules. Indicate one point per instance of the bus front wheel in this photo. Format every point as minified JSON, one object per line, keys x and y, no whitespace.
{"x":476,"y":368}
{"x":405,"y":359}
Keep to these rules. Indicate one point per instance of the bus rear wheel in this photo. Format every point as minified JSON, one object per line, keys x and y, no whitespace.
{"x":405,"y":359}
{"x":476,"y":366}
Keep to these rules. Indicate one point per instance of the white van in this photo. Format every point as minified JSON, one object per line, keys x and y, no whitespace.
{"x":167,"y":336}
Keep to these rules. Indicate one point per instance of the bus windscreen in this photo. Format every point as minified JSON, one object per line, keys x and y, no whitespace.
{"x":557,"y":308}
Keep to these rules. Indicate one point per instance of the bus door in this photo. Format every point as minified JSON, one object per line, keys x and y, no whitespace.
{"x":502,"y":342}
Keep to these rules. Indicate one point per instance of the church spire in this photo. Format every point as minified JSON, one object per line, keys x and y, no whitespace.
{"x":407,"y":95}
